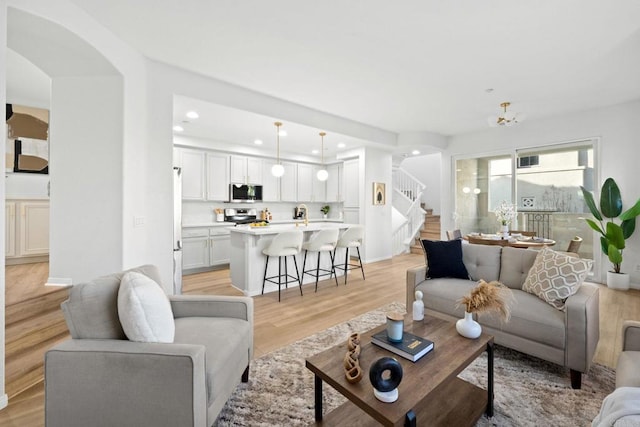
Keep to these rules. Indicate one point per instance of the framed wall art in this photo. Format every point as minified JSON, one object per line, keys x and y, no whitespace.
{"x":379,"y":193}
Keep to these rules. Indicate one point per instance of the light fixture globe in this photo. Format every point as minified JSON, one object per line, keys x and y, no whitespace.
{"x":277,"y":170}
{"x":322,"y":175}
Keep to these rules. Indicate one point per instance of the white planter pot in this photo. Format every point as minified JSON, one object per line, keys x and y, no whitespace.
{"x":504,"y":231}
{"x":618,"y":281}
{"x":468,"y":327}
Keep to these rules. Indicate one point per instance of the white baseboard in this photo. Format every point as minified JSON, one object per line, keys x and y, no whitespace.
{"x":59,"y":281}
{"x":4,"y":401}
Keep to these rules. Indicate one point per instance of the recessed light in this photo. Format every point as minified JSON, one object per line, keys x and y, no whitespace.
{"x":315,"y":151}
{"x":192,"y":115}
{"x":258,"y":142}
{"x":415,"y":152}
{"x":282,"y":133}
{"x":341,"y":145}
{"x":178,"y":128}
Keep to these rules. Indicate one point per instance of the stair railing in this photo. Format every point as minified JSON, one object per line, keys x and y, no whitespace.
{"x":407,"y":195}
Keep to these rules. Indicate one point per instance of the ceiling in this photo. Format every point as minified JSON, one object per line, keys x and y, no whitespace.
{"x":411,"y":66}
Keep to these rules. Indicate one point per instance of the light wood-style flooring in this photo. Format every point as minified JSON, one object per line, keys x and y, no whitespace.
{"x":279,"y":324}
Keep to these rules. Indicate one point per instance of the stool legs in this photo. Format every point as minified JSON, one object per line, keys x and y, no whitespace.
{"x":347,"y":266}
{"x":317,"y":274}
{"x":280,"y":275}
{"x":360,"y":261}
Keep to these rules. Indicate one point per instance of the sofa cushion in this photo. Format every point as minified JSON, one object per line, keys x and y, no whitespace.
{"x":91,"y":312}
{"x":482,"y":261}
{"x":554,"y":276}
{"x":531,"y":319}
{"x":144,"y":310}
{"x":442,"y":295}
{"x":444,"y":259}
{"x":226,"y":341}
{"x":515,"y":265}
{"x":628,"y":369}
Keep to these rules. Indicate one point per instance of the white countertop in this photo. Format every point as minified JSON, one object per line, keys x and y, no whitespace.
{"x":273,"y":222}
{"x":278,"y":228}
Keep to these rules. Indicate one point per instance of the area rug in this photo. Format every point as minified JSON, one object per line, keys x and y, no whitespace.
{"x":528,"y":391}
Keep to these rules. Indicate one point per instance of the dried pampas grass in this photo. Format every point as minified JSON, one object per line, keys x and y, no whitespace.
{"x":487,"y":297}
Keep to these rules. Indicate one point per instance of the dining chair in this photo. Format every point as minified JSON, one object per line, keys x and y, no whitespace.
{"x":454,"y":234}
{"x":574,"y":244}
{"x":524,"y":233}
{"x":483,"y":241}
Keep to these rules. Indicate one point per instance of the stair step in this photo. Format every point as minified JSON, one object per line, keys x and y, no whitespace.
{"x":416,"y":249}
{"x":34,"y":306}
{"x":432,"y":226}
{"x":21,"y":336}
{"x":25,"y":369}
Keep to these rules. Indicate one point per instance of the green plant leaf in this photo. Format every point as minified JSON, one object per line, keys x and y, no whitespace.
{"x":591,"y":204}
{"x":615,"y":255}
{"x":633,"y":212}
{"x":604,"y":245}
{"x":594,"y":225}
{"x":610,"y":200}
{"x":615,"y":235}
{"x":628,"y":227}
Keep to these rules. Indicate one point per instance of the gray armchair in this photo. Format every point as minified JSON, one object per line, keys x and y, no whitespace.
{"x":99,"y":378}
{"x":628,"y":368}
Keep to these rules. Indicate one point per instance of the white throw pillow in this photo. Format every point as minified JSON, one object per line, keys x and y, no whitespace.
{"x":144,"y":310}
{"x":554,"y":276}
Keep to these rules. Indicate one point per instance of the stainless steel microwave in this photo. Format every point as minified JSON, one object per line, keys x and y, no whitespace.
{"x":245,"y":193}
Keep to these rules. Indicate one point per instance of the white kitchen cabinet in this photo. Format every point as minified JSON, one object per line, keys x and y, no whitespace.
{"x":26,"y":229}
{"x":289,"y":183}
{"x":319,"y":187}
{"x":246,"y":170}
{"x":335,"y":183}
{"x":270,"y":183}
{"x":217,"y":177}
{"x":203,"y":248}
{"x":305,"y":184}
{"x":351,"y":184}
{"x":193,"y":163}
{"x":10,"y":229}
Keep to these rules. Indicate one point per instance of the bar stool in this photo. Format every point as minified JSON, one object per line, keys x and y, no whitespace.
{"x":285,"y":244}
{"x":322,"y":241}
{"x":351,"y":238}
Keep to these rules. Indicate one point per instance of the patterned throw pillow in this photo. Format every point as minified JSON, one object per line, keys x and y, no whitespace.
{"x":554,"y":276}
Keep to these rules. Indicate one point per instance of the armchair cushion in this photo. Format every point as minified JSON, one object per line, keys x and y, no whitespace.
{"x":144,"y":310}
{"x":554,"y":277}
{"x":91,"y":311}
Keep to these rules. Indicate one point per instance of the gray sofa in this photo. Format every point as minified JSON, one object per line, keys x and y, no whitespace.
{"x":622,"y":407}
{"x":568,"y":338}
{"x":99,"y":378}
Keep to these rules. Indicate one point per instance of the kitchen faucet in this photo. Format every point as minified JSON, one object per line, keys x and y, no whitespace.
{"x":306,"y":213}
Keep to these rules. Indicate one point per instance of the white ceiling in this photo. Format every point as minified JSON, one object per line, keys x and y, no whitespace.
{"x":411,"y":66}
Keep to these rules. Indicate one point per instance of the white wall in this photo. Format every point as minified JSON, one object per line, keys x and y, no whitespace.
{"x":378,"y":244}
{"x":617,"y":127}
{"x":427,"y":170}
{"x":86,"y":177}
{"x":3,"y":149}
{"x":26,"y":186}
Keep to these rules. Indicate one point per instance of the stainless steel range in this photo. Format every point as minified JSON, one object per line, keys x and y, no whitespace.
{"x":240,"y":216}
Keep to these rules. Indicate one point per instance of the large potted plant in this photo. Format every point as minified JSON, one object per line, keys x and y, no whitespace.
{"x":612,"y":234}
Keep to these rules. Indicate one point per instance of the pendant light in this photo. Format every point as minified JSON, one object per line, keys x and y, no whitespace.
{"x":277,"y":169}
{"x":322,"y":174}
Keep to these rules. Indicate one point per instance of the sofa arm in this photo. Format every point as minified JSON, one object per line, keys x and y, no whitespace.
{"x":125,"y":383}
{"x":415,"y":276}
{"x":582,"y":320}
{"x":212,"y":306}
{"x":631,"y":335}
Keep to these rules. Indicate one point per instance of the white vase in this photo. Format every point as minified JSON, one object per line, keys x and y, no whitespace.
{"x":468,"y":327}
{"x":504,"y":230}
{"x":618,"y":281}
{"x":324,"y":216}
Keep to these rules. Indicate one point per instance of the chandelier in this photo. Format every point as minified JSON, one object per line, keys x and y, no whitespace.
{"x":322,"y":174}
{"x":505,"y":118}
{"x":277,"y":170}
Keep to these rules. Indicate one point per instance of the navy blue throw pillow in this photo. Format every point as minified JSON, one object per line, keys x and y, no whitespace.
{"x":444,"y":259}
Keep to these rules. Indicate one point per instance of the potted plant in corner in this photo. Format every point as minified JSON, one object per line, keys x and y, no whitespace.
{"x":325,"y":211}
{"x":612,"y":234}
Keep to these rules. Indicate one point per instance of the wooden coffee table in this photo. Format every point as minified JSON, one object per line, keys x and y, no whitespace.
{"x":430,"y":391}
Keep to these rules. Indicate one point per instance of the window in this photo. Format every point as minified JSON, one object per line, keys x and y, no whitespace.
{"x":528,"y":161}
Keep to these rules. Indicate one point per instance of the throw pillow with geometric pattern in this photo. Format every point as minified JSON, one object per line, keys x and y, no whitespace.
{"x":554,"y":276}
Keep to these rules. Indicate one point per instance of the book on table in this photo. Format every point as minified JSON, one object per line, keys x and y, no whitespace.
{"x":412,"y":346}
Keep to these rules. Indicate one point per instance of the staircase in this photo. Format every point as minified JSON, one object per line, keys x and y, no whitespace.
{"x":430,"y":230}
{"x":33,"y":326}
{"x":407,"y":193}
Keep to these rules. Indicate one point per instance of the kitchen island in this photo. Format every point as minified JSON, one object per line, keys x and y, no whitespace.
{"x":247,"y":261}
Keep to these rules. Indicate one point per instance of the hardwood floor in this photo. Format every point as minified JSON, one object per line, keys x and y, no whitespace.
{"x":279,"y":324}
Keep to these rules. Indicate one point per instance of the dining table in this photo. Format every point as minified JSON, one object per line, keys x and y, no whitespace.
{"x":515,"y":241}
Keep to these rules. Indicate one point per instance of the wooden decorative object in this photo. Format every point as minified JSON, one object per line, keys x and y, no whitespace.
{"x":352,"y":369}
